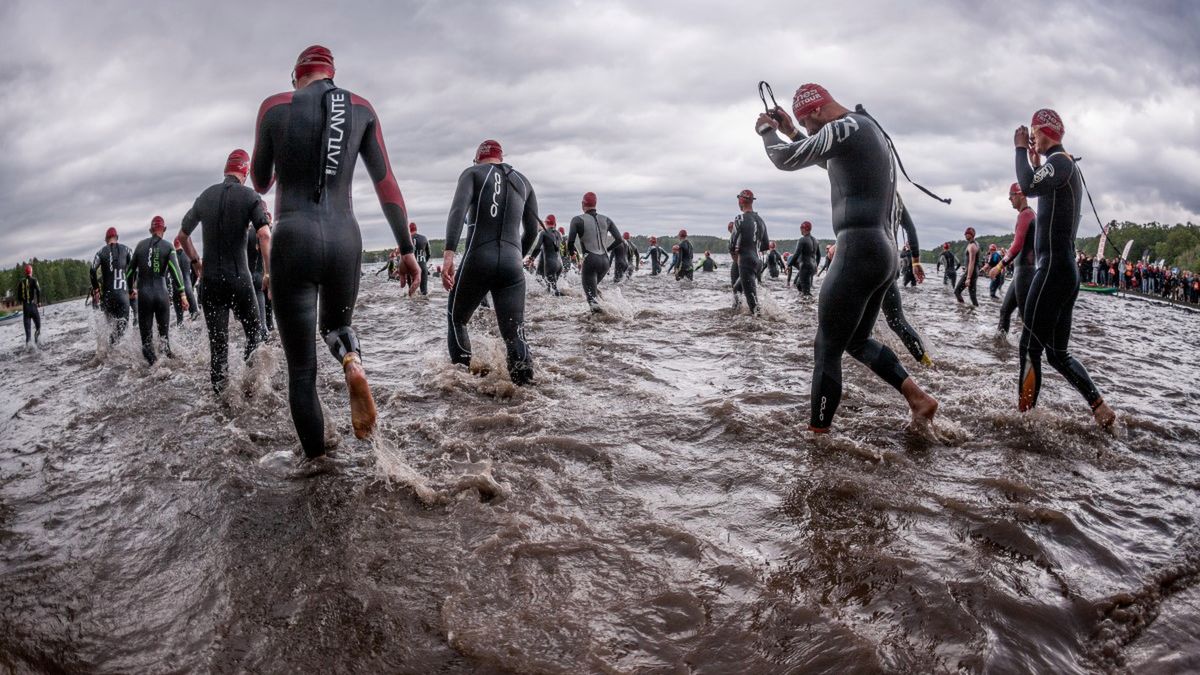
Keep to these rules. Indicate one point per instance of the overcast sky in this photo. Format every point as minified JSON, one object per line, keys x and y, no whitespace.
{"x":113,"y":112}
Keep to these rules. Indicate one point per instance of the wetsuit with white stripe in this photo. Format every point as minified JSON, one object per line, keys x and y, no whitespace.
{"x":862,"y":180}
{"x":657,"y":256}
{"x":1055,"y":285}
{"x":110,"y":276}
{"x":892,"y":308}
{"x":749,"y":238}
{"x":310,"y":141}
{"x":1020,"y":256}
{"x":500,"y":206}
{"x":592,"y":230}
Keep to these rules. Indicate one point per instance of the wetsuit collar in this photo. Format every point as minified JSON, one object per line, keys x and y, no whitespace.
{"x":231,"y":179}
{"x":1055,"y":149}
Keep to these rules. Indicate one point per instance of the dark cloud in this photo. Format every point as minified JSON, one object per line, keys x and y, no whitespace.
{"x":114,"y":112}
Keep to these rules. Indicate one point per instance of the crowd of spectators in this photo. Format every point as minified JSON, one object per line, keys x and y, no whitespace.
{"x":1141,"y":277}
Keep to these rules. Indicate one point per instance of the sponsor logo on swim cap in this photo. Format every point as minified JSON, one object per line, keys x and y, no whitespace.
{"x":238,"y":162}
{"x":313,"y":59}
{"x":489,"y":149}
{"x":1049,"y":123}
{"x":808,"y":98}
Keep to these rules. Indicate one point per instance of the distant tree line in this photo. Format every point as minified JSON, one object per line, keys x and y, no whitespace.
{"x":60,"y":280}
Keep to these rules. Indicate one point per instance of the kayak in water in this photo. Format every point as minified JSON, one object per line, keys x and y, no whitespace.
{"x":1093,"y":288}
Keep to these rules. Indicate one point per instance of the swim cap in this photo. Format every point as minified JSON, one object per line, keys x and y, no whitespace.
{"x":682,"y":234}
{"x":589,"y":200}
{"x":110,"y":233}
{"x":1049,"y":122}
{"x":625,"y":236}
{"x":805,"y":225}
{"x":746,"y":196}
{"x":772,"y":245}
{"x":653,"y":240}
{"x":970,"y":231}
{"x":313,"y":59}
{"x":808,"y":98}
{"x":562,"y":230}
{"x":706,"y":254}
{"x":489,"y":149}
{"x":1015,"y":190}
{"x":157,"y":223}
{"x":238,"y":162}
{"x":29,"y":270}
{"x":412,"y":227}
{"x":991,"y":247}
{"x":551,"y":220}
{"x":946,"y":246}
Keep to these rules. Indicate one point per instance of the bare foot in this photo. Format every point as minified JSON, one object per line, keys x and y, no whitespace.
{"x":362,"y":405}
{"x":1104,"y":415}
{"x":922,"y":405}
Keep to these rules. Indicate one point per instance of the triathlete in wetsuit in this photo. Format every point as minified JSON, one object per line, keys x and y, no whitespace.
{"x":749,"y":238}
{"x":1047,"y":312}
{"x":805,"y":259}
{"x":29,"y":294}
{"x":774,"y":262}
{"x":110,"y":283}
{"x":548,"y":245}
{"x":226,"y":210}
{"x":310,"y":140}
{"x":707,"y":264}
{"x":1020,"y":256}
{"x":893,"y":310}
{"x":863,"y":187}
{"x":620,"y":258}
{"x":684,"y":268}
{"x":657,"y":256}
{"x":590,"y":229}
{"x":971,"y":276}
{"x":734,"y":270}
{"x":257,"y":263}
{"x":499,"y":204}
{"x":950,"y":261}
{"x":189,"y":291}
{"x":421,"y":250}
{"x":993,"y":259}
{"x":635,"y":259}
{"x":153,"y":260}
{"x":674,"y":260}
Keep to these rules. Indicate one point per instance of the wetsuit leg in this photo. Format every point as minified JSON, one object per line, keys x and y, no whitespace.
{"x":553,"y":270}
{"x":1047,"y":315}
{"x":620,"y":268}
{"x":260,"y":306}
{"x":162,"y":316}
{"x":424,"y":280}
{"x":468,"y":292}
{"x":178,"y":303}
{"x":749,"y":287}
{"x":216,"y":319}
{"x":893,"y":311}
{"x":595,"y":266}
{"x":116,"y":309}
{"x":1006,"y":309}
{"x":31,"y":318}
{"x":510,"y":317}
{"x":804,"y":278}
{"x":966,"y":283}
{"x":146,"y":327}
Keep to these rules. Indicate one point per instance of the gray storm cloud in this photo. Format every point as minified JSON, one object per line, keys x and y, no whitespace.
{"x":113,"y":113}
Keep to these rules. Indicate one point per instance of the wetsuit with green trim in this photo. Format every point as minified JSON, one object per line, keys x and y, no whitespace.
{"x":893,"y":310}
{"x":29,"y":294}
{"x":749,"y":238}
{"x":310,"y":140}
{"x":226,"y":210}
{"x":590,"y":229}
{"x":1020,"y":256}
{"x":862,"y":180}
{"x":547,"y":245}
{"x":110,"y":276}
{"x":1052,"y":292}
{"x":153,"y":260}
{"x":501,"y":208}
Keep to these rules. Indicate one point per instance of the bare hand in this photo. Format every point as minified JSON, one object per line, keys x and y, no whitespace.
{"x":198,"y":267}
{"x":1021,"y":137}
{"x":448,"y":270}
{"x":785,"y":121}
{"x":183,"y":303}
{"x":919,"y":273}
{"x":765,"y":123}
{"x":133,"y":295}
{"x":410,"y":272}
{"x":267,"y":284}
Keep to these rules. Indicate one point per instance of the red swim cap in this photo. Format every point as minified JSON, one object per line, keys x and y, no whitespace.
{"x":746,"y":196}
{"x":625,"y":236}
{"x":489,"y":149}
{"x":946,"y":246}
{"x":551,"y":220}
{"x":1049,"y":122}
{"x":772,"y":245}
{"x":653,"y":240}
{"x":238,"y":162}
{"x":808,"y":98}
{"x":562,"y":230}
{"x":412,"y":227}
{"x":1015,"y":189}
{"x":991,"y":247}
{"x":589,"y":200}
{"x":315,"y":58}
{"x":805,"y":226}
{"x":110,"y":233}
{"x":157,"y":223}
{"x":29,"y":270}
{"x":682,"y":234}
{"x":970,"y":231}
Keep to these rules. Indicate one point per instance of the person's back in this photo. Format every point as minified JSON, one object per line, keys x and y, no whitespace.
{"x":749,"y":237}
{"x":685,"y":265}
{"x":153,"y":260}
{"x":593,"y":232}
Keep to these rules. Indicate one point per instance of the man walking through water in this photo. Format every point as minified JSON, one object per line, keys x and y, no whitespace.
{"x":29,"y":294}
{"x":1058,"y":185}
{"x":226,"y":210}
{"x":153,"y":260}
{"x":657,"y":256}
{"x":498,"y":203}
{"x":863,"y":185}
{"x":805,"y":259}
{"x":110,"y":283}
{"x":971,"y":276}
{"x":590,"y":229}
{"x":310,"y":139}
{"x":421,"y":249}
{"x":748,"y":239}
{"x":684,"y":269}
{"x":1020,"y":254}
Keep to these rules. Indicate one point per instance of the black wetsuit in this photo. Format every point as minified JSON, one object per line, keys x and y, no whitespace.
{"x":310,"y":139}
{"x":227,"y":210}
{"x":153,"y":260}
{"x":1052,"y":292}
{"x":862,"y":179}
{"x":749,"y":238}
{"x":950,"y":261}
{"x":970,"y":276}
{"x":893,"y":310}
{"x":774,"y":263}
{"x":684,"y":269}
{"x":110,"y":273}
{"x":906,"y":268}
{"x":657,"y":256}
{"x":590,"y":229}
{"x":185,"y":268}
{"x":735,"y":272}
{"x":708,"y":264}
{"x":805,"y":261}
{"x":634,"y":258}
{"x":29,"y":294}
{"x":620,"y":260}
{"x":1020,"y":255}
{"x":548,"y":245}
{"x":421,"y":251}
{"x":501,"y":208}
{"x":254,"y":259}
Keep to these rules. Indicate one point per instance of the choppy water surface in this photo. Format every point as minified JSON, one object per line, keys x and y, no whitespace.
{"x":652,"y":504}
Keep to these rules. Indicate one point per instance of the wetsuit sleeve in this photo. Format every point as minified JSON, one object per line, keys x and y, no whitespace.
{"x":374,"y":154}
{"x":530,"y":220}
{"x":428,"y":253}
{"x":190,"y":221}
{"x":764,"y":242}
{"x":573,"y":233}
{"x":458,"y":209}
{"x":173,"y":266}
{"x":258,"y":215}
{"x":910,"y":231}
{"x":1053,"y":174}
{"x":262,"y":163}
{"x":808,"y":151}
{"x":92,"y":272}
{"x":131,"y":274}
{"x":615,"y":233}
{"x":537,"y":246}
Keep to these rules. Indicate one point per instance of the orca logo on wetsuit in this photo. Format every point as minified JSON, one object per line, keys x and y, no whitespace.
{"x":337,"y":132}
{"x":495,"y":210}
{"x":1047,"y":171}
